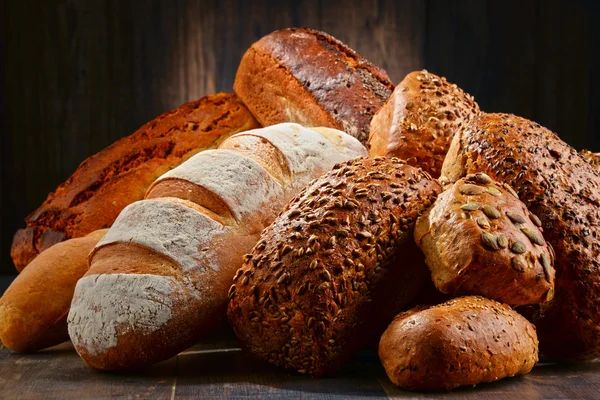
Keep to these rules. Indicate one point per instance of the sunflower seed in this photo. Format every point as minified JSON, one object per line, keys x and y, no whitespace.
{"x":491,"y":212}
{"x":470,"y":206}
{"x":489,"y":240}
{"x":294,"y":212}
{"x":470,"y":189}
{"x":313,"y":264}
{"x":342,"y":232}
{"x":518,"y":248}
{"x":364,"y":235}
{"x":326,"y":275}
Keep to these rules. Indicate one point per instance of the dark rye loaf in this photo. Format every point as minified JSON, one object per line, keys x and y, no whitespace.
{"x":106,"y":182}
{"x":335,"y":267}
{"x":563,"y":190}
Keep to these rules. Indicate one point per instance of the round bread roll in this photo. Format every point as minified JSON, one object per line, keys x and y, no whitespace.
{"x":464,"y":341}
{"x":563,"y":190}
{"x":335,"y":267}
{"x":479,"y":238}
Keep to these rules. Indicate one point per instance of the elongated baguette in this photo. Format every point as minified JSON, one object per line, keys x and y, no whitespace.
{"x":33,"y":310}
{"x":159,"y":279}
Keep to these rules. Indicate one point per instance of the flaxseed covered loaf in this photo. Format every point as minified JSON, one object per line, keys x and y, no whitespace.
{"x":480,"y":239}
{"x":420,"y":118}
{"x":334,"y":268}
{"x":563,"y":190}
{"x":592,"y":158}
{"x":108,"y":181}
{"x":308,"y":77}
{"x":464,"y":341}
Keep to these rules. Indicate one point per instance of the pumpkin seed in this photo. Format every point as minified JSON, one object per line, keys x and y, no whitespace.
{"x":515,"y":217}
{"x":502,"y":241}
{"x":470,"y":189}
{"x":532,"y":235}
{"x":518,"y":264}
{"x":493,"y":191}
{"x":471,"y":206}
{"x":491,"y":212}
{"x":489,"y":240}
{"x":536,"y":221}
{"x":483,"y":178}
{"x":483,"y":222}
{"x":518,"y":248}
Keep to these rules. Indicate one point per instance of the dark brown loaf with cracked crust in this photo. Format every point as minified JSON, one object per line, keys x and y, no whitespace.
{"x":480,"y":239}
{"x":335,"y":267}
{"x":563,"y":190}
{"x":464,"y":341}
{"x":592,"y":158}
{"x":308,"y":77}
{"x":420,"y":118}
{"x":108,"y":181}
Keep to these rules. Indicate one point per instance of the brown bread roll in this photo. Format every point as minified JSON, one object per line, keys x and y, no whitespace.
{"x":480,"y":239}
{"x":563,"y":190}
{"x":158,"y":280}
{"x":308,"y":77}
{"x":464,"y":341}
{"x":34,"y":308}
{"x":108,"y":181}
{"x":334,"y":268}
{"x":592,"y":158}
{"x":419,"y":119}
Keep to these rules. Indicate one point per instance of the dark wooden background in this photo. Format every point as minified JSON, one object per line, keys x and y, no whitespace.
{"x":79,"y":74}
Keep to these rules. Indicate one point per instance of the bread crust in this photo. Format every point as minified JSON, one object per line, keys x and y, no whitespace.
{"x":106,"y":182}
{"x":592,"y":158}
{"x":308,"y":77}
{"x":419,"y":119}
{"x":329,"y":274}
{"x":465,"y":341}
{"x":480,"y":239}
{"x":563,"y":190}
{"x":34,"y":308}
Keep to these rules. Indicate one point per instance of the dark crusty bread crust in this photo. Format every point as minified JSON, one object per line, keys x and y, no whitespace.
{"x":420,"y":118}
{"x":592,"y":158}
{"x":464,"y":341}
{"x":308,"y":77}
{"x":480,"y":239}
{"x":34,"y":308}
{"x":108,"y":181}
{"x":334,"y":268}
{"x":563,"y":190}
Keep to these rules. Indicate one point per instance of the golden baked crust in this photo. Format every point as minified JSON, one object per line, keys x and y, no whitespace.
{"x":464,"y":341}
{"x":108,"y":181}
{"x":420,"y":118}
{"x":479,"y":239}
{"x":563,"y":190}
{"x":592,"y":158}
{"x":334,"y":268}
{"x":308,"y":77}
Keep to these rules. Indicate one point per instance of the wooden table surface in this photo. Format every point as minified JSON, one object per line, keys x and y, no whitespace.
{"x":218,"y":369}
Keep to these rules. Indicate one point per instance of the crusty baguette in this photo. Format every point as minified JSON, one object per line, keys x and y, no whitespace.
{"x":308,"y":77}
{"x":34,"y":308}
{"x":331,"y":272}
{"x":106,"y":182}
{"x":592,"y":158}
{"x":563,"y":190}
{"x":480,"y":239}
{"x":419,"y":120}
{"x":159,"y":279}
{"x":464,"y":341}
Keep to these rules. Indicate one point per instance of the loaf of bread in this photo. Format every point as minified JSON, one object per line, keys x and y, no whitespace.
{"x":480,"y":239}
{"x":464,"y":341}
{"x":34,"y":308}
{"x":563,"y":190}
{"x":334,"y":268}
{"x":159,"y":279}
{"x":309,"y":77}
{"x":419,"y":119}
{"x":592,"y":158}
{"x":106,"y":182}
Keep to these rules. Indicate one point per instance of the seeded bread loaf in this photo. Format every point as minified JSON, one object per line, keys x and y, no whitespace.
{"x":464,"y":341}
{"x":334,"y":268}
{"x":158,"y":280}
{"x":592,"y":158}
{"x":563,"y":190}
{"x":479,"y":239}
{"x":419,"y":119}
{"x":34,"y":308}
{"x":106,"y":182}
{"x":309,"y":77}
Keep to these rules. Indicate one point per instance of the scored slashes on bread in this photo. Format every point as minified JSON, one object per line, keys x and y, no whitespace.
{"x":563,"y":190}
{"x":420,"y":118}
{"x":464,"y":341}
{"x":34,"y":308}
{"x":309,"y":77}
{"x":480,"y":239}
{"x":159,"y":279}
{"x":334,"y":268}
{"x":117,"y":176}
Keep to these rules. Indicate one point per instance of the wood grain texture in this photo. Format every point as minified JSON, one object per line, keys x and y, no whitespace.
{"x":79,"y":74}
